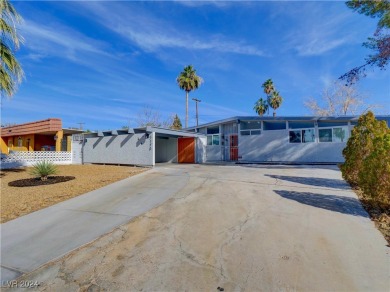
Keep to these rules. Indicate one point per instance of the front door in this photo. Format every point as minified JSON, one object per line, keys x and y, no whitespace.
{"x":234,"y":147}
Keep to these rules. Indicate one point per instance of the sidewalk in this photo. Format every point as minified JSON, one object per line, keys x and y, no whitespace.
{"x":30,"y":241}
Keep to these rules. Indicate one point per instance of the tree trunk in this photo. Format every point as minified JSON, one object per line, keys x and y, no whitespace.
{"x":186,"y":109}
{"x":274,"y":114}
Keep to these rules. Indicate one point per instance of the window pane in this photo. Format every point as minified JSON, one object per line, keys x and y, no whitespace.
{"x":209,"y":140}
{"x":213,"y":130}
{"x":295,"y":136}
{"x":322,"y":124}
{"x":325,"y":135}
{"x":250,"y":125}
{"x":308,"y":135}
{"x":255,"y":132}
{"x":340,"y":134}
{"x":215,"y":139}
{"x":245,"y":133}
{"x":300,"y":125}
{"x":274,"y":125}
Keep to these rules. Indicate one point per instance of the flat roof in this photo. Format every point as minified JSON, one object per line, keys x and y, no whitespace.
{"x":286,"y":118}
{"x":37,"y":127}
{"x":160,"y":132}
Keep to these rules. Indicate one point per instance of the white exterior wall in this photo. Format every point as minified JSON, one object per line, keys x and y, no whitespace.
{"x":77,"y":157}
{"x":132,"y":149}
{"x":213,"y":153}
{"x":274,"y":146}
{"x":166,"y":150}
{"x":201,"y":149}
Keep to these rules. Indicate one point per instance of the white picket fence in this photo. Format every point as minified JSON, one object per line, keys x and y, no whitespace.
{"x":25,"y":158}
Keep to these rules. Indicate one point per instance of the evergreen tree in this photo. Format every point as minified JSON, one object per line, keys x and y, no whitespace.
{"x":176,"y":125}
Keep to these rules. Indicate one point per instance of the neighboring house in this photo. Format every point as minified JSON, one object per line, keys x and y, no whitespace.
{"x":45,"y":135}
{"x":278,"y":139}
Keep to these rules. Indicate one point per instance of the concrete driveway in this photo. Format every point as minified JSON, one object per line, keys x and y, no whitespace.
{"x":233,"y":227}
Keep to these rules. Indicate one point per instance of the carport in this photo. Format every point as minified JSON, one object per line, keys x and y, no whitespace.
{"x":140,"y":146}
{"x":175,"y":146}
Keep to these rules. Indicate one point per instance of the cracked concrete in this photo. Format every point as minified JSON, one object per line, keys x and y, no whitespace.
{"x":240,"y":228}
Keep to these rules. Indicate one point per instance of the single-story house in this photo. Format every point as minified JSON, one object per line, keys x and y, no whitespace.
{"x":242,"y":139}
{"x":301,"y":139}
{"x":44,"y":135}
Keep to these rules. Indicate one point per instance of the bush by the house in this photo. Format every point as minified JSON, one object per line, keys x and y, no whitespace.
{"x":360,"y":145}
{"x":374,"y":178}
{"x":43,"y":169}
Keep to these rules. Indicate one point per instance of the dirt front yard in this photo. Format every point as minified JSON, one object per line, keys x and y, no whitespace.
{"x":16,"y":201}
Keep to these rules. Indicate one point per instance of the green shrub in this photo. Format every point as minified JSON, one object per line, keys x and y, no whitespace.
{"x":360,"y":146}
{"x":43,"y":169}
{"x":374,"y":178}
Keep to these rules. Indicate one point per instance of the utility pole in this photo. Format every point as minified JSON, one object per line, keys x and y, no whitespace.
{"x":81,"y":125}
{"x":197,"y":116}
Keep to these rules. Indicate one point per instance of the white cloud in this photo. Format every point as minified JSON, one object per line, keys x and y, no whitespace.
{"x":317,"y":29}
{"x":152,"y":34}
{"x":57,"y":40}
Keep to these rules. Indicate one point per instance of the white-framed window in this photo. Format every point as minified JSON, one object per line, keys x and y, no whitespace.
{"x":302,"y":135}
{"x":334,"y":134}
{"x":250,"y":132}
{"x":213,"y":139}
{"x":213,"y":135}
{"x":249,"y":128}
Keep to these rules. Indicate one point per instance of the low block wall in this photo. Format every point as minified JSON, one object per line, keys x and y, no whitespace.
{"x":25,"y":158}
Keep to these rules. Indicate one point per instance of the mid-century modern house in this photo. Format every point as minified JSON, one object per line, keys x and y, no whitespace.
{"x":241,"y":139}
{"x":45,"y":135}
{"x":278,"y":139}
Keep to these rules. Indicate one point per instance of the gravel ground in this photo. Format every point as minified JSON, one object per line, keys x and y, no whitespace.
{"x":16,"y":202}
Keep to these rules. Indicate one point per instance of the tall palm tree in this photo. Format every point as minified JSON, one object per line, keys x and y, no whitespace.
{"x":268,"y":86}
{"x":261,"y":107}
{"x":275,"y":100}
{"x":188,"y":81}
{"x":11,"y":72}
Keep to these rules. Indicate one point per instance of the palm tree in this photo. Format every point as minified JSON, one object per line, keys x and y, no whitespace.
{"x":11,"y":72}
{"x":275,"y":100}
{"x":268,"y":86}
{"x":188,"y":81}
{"x":261,"y":106}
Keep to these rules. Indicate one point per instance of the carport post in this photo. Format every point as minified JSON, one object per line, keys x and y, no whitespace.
{"x":153,"y":137}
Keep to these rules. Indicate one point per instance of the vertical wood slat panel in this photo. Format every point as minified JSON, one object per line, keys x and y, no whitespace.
{"x":186,"y":150}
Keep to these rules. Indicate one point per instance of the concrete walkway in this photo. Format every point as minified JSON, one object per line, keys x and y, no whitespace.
{"x":37,"y":238}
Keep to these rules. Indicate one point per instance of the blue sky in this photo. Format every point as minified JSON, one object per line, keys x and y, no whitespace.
{"x":101,"y":62}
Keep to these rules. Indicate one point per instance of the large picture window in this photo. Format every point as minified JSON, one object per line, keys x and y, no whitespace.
{"x":302,"y":136}
{"x":250,"y":128}
{"x":337,"y":135}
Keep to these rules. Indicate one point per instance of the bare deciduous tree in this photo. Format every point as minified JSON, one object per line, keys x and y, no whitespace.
{"x":148,"y":116}
{"x":339,"y":99}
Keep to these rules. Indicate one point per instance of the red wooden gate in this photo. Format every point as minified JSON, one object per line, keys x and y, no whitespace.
{"x":186,"y":150}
